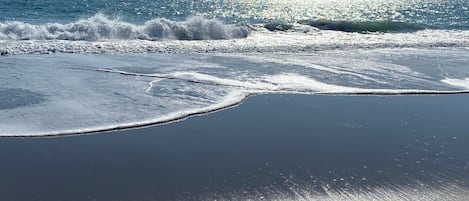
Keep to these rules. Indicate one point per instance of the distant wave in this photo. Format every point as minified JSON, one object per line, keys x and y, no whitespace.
{"x":100,"y":27}
{"x":352,"y":26}
{"x":362,"y":27}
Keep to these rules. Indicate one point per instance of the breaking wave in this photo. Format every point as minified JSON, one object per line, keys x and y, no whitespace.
{"x":100,"y":34}
{"x":100,"y":27}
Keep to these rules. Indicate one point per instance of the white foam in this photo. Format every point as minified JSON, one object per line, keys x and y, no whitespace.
{"x":291,"y":81}
{"x":100,"y":27}
{"x":231,"y":99}
{"x":301,"y":62}
{"x":302,"y":84}
{"x":285,"y":83}
{"x":260,"y":41}
{"x":201,"y":78}
{"x":461,"y":83}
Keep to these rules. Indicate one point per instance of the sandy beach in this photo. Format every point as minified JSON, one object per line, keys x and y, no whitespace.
{"x":270,"y":147}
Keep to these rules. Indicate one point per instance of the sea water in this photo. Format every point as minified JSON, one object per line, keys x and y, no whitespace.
{"x":74,"y":67}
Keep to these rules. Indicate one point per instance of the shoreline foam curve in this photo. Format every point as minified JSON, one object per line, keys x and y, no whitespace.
{"x":236,"y":99}
{"x":226,"y":104}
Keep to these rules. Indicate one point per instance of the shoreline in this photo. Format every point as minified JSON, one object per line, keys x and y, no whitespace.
{"x":125,"y":128}
{"x":364,"y":93}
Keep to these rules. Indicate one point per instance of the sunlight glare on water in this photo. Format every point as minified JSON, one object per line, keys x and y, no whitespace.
{"x":416,"y":11}
{"x":443,"y":14}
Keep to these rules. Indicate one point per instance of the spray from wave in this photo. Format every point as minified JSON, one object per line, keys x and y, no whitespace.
{"x":99,"y":27}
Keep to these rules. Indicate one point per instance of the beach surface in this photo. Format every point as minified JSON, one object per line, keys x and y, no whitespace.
{"x":271,"y":147}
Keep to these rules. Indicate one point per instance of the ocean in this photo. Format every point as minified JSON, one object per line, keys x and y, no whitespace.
{"x":93,"y":67}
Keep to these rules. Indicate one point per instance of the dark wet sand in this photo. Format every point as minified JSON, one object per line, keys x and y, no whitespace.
{"x":269,"y":145}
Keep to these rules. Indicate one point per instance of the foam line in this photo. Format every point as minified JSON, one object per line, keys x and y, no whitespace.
{"x":296,"y":61}
{"x":151,"y":84}
{"x":395,"y":92}
{"x":462,"y":83}
{"x":199,"y":78}
{"x":231,"y":100}
{"x":289,"y":83}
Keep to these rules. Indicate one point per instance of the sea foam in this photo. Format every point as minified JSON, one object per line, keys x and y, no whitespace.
{"x":462,"y":83}
{"x":101,"y":34}
{"x":100,"y":27}
{"x":258,"y":41}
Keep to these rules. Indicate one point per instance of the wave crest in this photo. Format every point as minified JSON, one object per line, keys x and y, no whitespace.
{"x":99,"y":27}
{"x":363,"y":27}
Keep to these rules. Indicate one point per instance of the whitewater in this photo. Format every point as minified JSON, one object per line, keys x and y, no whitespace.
{"x":100,"y":34}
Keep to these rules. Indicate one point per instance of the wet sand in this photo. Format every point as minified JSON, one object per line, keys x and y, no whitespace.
{"x":269,"y":147}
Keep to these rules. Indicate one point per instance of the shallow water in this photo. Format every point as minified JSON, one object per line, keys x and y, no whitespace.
{"x":65,"y":94}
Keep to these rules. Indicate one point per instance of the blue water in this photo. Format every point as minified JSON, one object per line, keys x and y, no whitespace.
{"x":444,"y":14}
{"x":427,"y":23}
{"x":31,"y":19}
